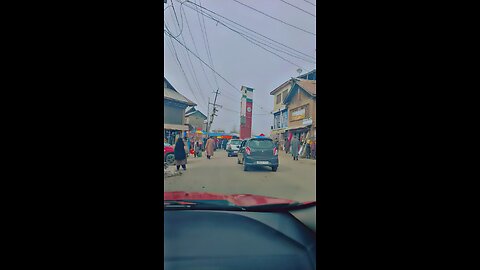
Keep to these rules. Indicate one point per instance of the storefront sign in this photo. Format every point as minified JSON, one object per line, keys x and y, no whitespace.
{"x":297,"y":115}
{"x":307,"y":122}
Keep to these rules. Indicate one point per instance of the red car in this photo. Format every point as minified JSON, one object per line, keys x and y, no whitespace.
{"x":168,"y":155}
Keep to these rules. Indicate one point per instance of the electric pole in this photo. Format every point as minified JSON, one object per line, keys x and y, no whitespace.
{"x":214,"y":110}
{"x":208,"y":115}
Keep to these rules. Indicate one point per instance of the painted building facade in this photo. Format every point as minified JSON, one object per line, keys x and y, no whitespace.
{"x":174,"y":105}
{"x":301,"y":103}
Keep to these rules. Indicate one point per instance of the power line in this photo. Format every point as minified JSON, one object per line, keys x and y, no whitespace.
{"x":181,"y":68}
{"x":310,"y":3}
{"x":298,"y":8}
{"x":248,"y":29}
{"x":229,"y":83}
{"x":195,"y":47}
{"x":296,"y":27}
{"x":256,"y":41}
{"x":206,"y":43}
{"x":181,"y":28}
{"x":239,"y":112}
{"x":195,"y":81}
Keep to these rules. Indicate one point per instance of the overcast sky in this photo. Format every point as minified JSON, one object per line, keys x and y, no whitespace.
{"x":235,"y":58}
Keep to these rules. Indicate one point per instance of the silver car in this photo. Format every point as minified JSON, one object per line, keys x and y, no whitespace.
{"x":233,"y":147}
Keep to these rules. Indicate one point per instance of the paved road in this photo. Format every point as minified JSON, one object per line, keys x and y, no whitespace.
{"x":294,"y":180}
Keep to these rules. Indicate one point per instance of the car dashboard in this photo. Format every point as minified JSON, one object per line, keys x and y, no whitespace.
{"x":203,"y":239}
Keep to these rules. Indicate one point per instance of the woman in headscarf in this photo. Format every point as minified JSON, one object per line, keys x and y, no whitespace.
{"x":210,"y":147}
{"x":180,"y":155}
{"x":295,"y":145}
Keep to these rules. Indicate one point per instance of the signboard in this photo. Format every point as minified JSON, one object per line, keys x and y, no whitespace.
{"x":307,"y":122}
{"x":297,"y":115}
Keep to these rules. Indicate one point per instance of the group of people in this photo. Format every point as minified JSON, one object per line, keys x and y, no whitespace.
{"x":181,"y":151}
{"x":293,"y":147}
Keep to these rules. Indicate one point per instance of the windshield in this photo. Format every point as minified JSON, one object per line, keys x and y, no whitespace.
{"x":265,"y":144}
{"x":240,"y":98}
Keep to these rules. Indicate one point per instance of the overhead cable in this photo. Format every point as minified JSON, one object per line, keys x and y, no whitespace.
{"x":296,"y":27}
{"x":298,"y":8}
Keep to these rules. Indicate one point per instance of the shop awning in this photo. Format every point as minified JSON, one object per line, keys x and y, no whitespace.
{"x":175,"y":127}
{"x":297,"y":127}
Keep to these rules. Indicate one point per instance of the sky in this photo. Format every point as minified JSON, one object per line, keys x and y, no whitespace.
{"x":234,"y":58}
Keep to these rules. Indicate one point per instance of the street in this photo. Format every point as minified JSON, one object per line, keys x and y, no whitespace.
{"x":294,"y":180}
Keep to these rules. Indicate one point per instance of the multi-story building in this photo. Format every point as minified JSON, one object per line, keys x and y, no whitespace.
{"x":174,"y":112}
{"x":195,"y":119}
{"x":301,"y":103}
{"x":280,"y":111}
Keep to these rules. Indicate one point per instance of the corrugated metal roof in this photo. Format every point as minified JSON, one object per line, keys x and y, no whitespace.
{"x":192,"y":112}
{"x":306,"y":75}
{"x":309,"y":86}
{"x":176,"y":96}
{"x":175,"y":127}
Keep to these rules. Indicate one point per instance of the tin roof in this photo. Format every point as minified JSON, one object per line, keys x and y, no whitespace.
{"x":309,"y":86}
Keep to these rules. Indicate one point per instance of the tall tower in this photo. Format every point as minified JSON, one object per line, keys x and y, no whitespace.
{"x":246,"y":107}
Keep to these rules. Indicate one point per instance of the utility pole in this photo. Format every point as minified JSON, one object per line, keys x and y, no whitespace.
{"x":215,"y":105}
{"x":208,"y":115}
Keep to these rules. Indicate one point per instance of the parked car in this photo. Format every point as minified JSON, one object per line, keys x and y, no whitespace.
{"x":168,"y":155}
{"x":232,"y":147}
{"x":259,"y":151}
{"x":236,"y":231}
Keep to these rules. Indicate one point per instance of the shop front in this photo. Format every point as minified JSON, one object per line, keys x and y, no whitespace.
{"x":172,"y":132}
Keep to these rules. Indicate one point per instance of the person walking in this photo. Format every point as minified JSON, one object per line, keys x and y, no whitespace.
{"x":307,"y":149}
{"x":195,"y":149}
{"x":180,"y":154}
{"x":224,"y":144}
{"x":314,"y":149}
{"x":209,"y":147}
{"x":295,"y":147}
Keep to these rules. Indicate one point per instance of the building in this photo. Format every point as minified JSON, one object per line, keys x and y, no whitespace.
{"x":301,"y":103}
{"x":174,"y":112}
{"x":195,"y":119}
{"x":280,"y":111}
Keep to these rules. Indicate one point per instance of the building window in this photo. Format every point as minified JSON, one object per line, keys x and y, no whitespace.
{"x":279,"y":98}
{"x":284,"y":94}
{"x":276,"y":121}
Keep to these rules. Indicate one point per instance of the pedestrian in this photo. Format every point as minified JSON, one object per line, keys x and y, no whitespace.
{"x":314,"y":149}
{"x":307,"y":149}
{"x":224,"y":144}
{"x":196,"y":149}
{"x":287,"y":146}
{"x":295,"y":147}
{"x":209,"y":147}
{"x":180,"y":155}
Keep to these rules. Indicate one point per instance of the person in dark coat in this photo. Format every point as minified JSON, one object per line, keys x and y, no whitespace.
{"x":180,"y":155}
{"x":295,"y":145}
